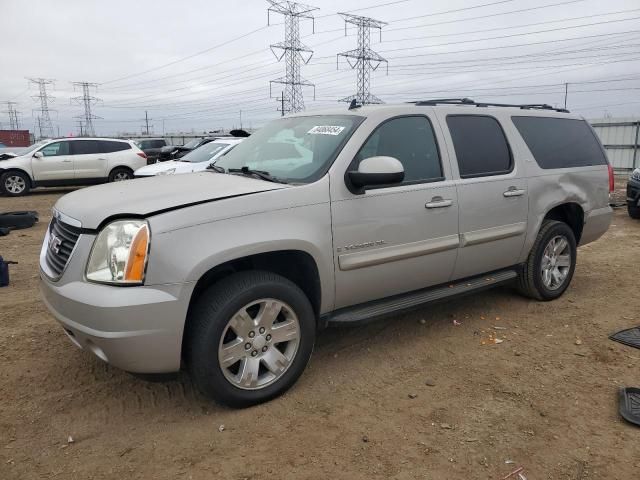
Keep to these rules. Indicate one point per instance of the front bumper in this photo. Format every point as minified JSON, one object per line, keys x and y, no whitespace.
{"x":138,"y":329}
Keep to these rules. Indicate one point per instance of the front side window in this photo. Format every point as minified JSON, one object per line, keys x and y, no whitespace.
{"x":480,"y":144}
{"x":410,"y":140}
{"x":85,"y":147}
{"x":55,"y":149}
{"x":560,"y":142}
{"x":296,"y":149}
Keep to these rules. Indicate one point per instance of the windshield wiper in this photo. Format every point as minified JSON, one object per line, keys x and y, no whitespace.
{"x":216,"y":168}
{"x":256,"y":173}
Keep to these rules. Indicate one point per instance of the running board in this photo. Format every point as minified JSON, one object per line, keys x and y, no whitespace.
{"x":399,"y":303}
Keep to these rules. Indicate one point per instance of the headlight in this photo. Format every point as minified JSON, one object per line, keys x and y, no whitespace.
{"x":170,"y":171}
{"x":119,"y":253}
{"x":635,"y":175}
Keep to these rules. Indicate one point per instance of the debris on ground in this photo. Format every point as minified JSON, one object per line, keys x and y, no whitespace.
{"x":429,"y":383}
{"x":578,"y":341}
{"x":422,"y":321}
{"x":412,"y":395}
{"x":221,"y":428}
{"x":492,"y":340}
{"x":456,"y":322}
{"x":365,"y":439}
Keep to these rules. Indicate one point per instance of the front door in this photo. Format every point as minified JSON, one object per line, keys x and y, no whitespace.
{"x":89,"y":160}
{"x":55,"y":165}
{"x":492,"y":193}
{"x":398,"y":238}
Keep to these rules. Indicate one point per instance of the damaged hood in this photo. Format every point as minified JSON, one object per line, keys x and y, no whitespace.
{"x":146,"y":196}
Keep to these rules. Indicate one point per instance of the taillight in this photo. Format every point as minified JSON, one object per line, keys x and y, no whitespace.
{"x":612,"y":180}
{"x":143,"y":155}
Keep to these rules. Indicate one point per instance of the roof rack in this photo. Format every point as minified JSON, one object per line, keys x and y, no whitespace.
{"x":468,"y":101}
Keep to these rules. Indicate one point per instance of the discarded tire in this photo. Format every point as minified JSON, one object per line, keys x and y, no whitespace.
{"x":18,"y":220}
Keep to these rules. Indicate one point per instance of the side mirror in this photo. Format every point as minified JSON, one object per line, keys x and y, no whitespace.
{"x":375,"y":171}
{"x":38,"y":155}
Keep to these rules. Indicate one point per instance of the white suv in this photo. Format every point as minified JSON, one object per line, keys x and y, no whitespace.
{"x":70,"y":161}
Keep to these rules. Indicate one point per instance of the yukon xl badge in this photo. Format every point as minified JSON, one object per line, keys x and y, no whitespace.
{"x":357,"y":246}
{"x":54,"y":243}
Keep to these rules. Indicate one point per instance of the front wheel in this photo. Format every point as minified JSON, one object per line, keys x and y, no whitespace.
{"x":249,"y":338}
{"x":14,"y":184}
{"x":634,"y":210}
{"x":551,"y":262}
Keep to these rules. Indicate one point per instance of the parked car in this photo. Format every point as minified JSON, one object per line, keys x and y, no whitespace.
{"x":173,"y":152}
{"x":633,"y":194}
{"x":151,"y":147}
{"x":322,"y":218}
{"x":195,"y":161}
{"x":70,"y":161}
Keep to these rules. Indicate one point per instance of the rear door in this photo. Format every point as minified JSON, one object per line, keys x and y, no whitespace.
{"x":402,"y":237}
{"x":56,"y":164}
{"x":492,"y":194}
{"x":89,"y":160}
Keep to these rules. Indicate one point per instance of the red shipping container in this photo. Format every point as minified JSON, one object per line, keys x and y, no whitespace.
{"x":15,"y":138}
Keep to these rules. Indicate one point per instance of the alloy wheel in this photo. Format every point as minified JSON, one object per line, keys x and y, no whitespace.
{"x":15,"y":184}
{"x":556,"y":262}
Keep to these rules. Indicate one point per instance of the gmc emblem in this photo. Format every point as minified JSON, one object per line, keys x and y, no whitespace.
{"x":54,"y":243}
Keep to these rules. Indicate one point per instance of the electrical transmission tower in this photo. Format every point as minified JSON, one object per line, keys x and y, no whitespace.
{"x":86,"y":100}
{"x":293,"y":50}
{"x":44,"y":118}
{"x":363,"y":59}
{"x":14,"y":123}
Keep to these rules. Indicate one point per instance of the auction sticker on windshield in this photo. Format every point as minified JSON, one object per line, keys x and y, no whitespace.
{"x":326,"y":130}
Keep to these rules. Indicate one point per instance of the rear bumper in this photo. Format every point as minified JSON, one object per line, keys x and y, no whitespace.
{"x":596,"y":223}
{"x":137,"y":329}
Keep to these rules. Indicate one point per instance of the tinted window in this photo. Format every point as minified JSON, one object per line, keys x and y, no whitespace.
{"x":84,"y":147}
{"x":56,"y":149}
{"x":412,"y":141}
{"x":560,"y":142}
{"x":480,"y":145}
{"x":157,"y":143}
{"x":109,"y":146}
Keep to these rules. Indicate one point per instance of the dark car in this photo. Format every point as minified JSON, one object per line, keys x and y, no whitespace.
{"x":152,"y":148}
{"x":177,"y":151}
{"x":633,"y":194}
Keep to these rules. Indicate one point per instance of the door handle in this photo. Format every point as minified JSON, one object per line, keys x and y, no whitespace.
{"x":438,"y":202}
{"x":103,"y":159}
{"x":67,"y":161}
{"x":514,"y":192}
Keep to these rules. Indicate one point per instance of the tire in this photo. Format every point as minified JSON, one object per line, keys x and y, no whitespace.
{"x":18,"y":219}
{"x":634,"y":210}
{"x":531,"y":280}
{"x":120,"y":174}
{"x":14,"y":183}
{"x":210,"y":328}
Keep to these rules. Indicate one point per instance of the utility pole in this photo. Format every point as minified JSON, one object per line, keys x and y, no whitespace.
{"x":44,"y":119}
{"x":146,"y":123}
{"x":293,"y":51}
{"x":363,"y":59}
{"x":240,"y":119}
{"x":566,"y":93}
{"x":86,"y":100}
{"x":14,"y":123}
{"x":80,"y":126}
{"x":281,"y":101}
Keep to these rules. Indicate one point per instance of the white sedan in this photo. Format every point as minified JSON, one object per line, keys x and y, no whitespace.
{"x":195,"y":161}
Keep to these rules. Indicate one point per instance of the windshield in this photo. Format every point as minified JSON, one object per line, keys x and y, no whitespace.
{"x":297,"y":149}
{"x":192,"y":143}
{"x":204,"y":153}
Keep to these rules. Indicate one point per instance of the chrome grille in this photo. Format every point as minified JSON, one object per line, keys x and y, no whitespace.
{"x":62,"y":240}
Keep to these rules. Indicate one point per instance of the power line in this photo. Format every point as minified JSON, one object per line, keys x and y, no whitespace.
{"x":366,"y":60}
{"x":86,"y":99}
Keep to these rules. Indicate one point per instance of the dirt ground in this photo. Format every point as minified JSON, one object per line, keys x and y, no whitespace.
{"x":416,"y":397}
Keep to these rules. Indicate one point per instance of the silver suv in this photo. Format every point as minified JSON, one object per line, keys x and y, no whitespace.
{"x":332,"y":217}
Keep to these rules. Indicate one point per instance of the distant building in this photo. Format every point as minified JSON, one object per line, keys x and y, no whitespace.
{"x":15,"y":138}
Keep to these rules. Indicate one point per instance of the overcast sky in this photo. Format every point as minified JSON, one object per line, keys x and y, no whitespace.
{"x":517,"y":51}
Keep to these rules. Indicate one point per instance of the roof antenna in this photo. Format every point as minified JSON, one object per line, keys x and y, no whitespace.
{"x":354,"y":104}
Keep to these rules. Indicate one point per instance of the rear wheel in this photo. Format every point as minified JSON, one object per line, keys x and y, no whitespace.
{"x":634,"y":210}
{"x":249,"y":338}
{"x":551,"y":262}
{"x":14,"y":184}
{"x":120,"y":174}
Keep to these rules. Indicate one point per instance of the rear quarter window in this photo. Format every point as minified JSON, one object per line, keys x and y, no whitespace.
{"x":560,"y":142}
{"x":110,"y":146}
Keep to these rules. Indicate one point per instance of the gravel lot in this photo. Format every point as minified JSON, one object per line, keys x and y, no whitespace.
{"x":414,"y":397}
